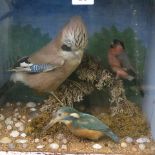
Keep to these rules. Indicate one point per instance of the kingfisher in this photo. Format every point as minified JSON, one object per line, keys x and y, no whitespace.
{"x":81,"y":124}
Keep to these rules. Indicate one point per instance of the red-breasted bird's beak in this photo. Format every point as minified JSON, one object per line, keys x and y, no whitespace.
{"x":112,"y":45}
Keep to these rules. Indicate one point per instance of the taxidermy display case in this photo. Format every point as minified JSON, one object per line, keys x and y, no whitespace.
{"x":77,"y":76}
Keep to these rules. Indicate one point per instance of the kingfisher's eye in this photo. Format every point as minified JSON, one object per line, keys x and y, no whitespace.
{"x":65,"y":48}
{"x":59,"y":114}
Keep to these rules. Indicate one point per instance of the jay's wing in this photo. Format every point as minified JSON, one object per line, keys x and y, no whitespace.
{"x":46,"y":59}
{"x":24,"y":65}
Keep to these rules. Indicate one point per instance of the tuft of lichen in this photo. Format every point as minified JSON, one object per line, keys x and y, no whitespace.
{"x":70,"y":92}
{"x":88,"y":77}
{"x":35,"y":126}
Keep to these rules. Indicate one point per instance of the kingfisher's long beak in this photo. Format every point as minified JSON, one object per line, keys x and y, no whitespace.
{"x":51,"y":123}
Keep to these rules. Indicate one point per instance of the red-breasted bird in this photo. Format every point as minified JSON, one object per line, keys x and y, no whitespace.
{"x":48,"y":68}
{"x":121,"y":64}
{"x":81,"y":124}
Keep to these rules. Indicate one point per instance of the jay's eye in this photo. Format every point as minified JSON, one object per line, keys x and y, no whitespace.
{"x":66,"y":48}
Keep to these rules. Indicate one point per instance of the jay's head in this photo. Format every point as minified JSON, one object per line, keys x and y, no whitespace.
{"x":74,"y":35}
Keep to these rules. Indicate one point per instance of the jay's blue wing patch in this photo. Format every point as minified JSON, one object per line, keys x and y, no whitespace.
{"x":24,"y":65}
{"x":38,"y":68}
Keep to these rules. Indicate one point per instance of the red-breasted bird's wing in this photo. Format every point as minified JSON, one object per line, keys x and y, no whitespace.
{"x":126,"y":63}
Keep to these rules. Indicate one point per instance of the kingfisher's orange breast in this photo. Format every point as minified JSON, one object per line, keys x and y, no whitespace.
{"x":85,"y":133}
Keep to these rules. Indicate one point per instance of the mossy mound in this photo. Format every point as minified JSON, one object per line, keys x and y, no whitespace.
{"x":125,"y":124}
{"x":35,"y":127}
